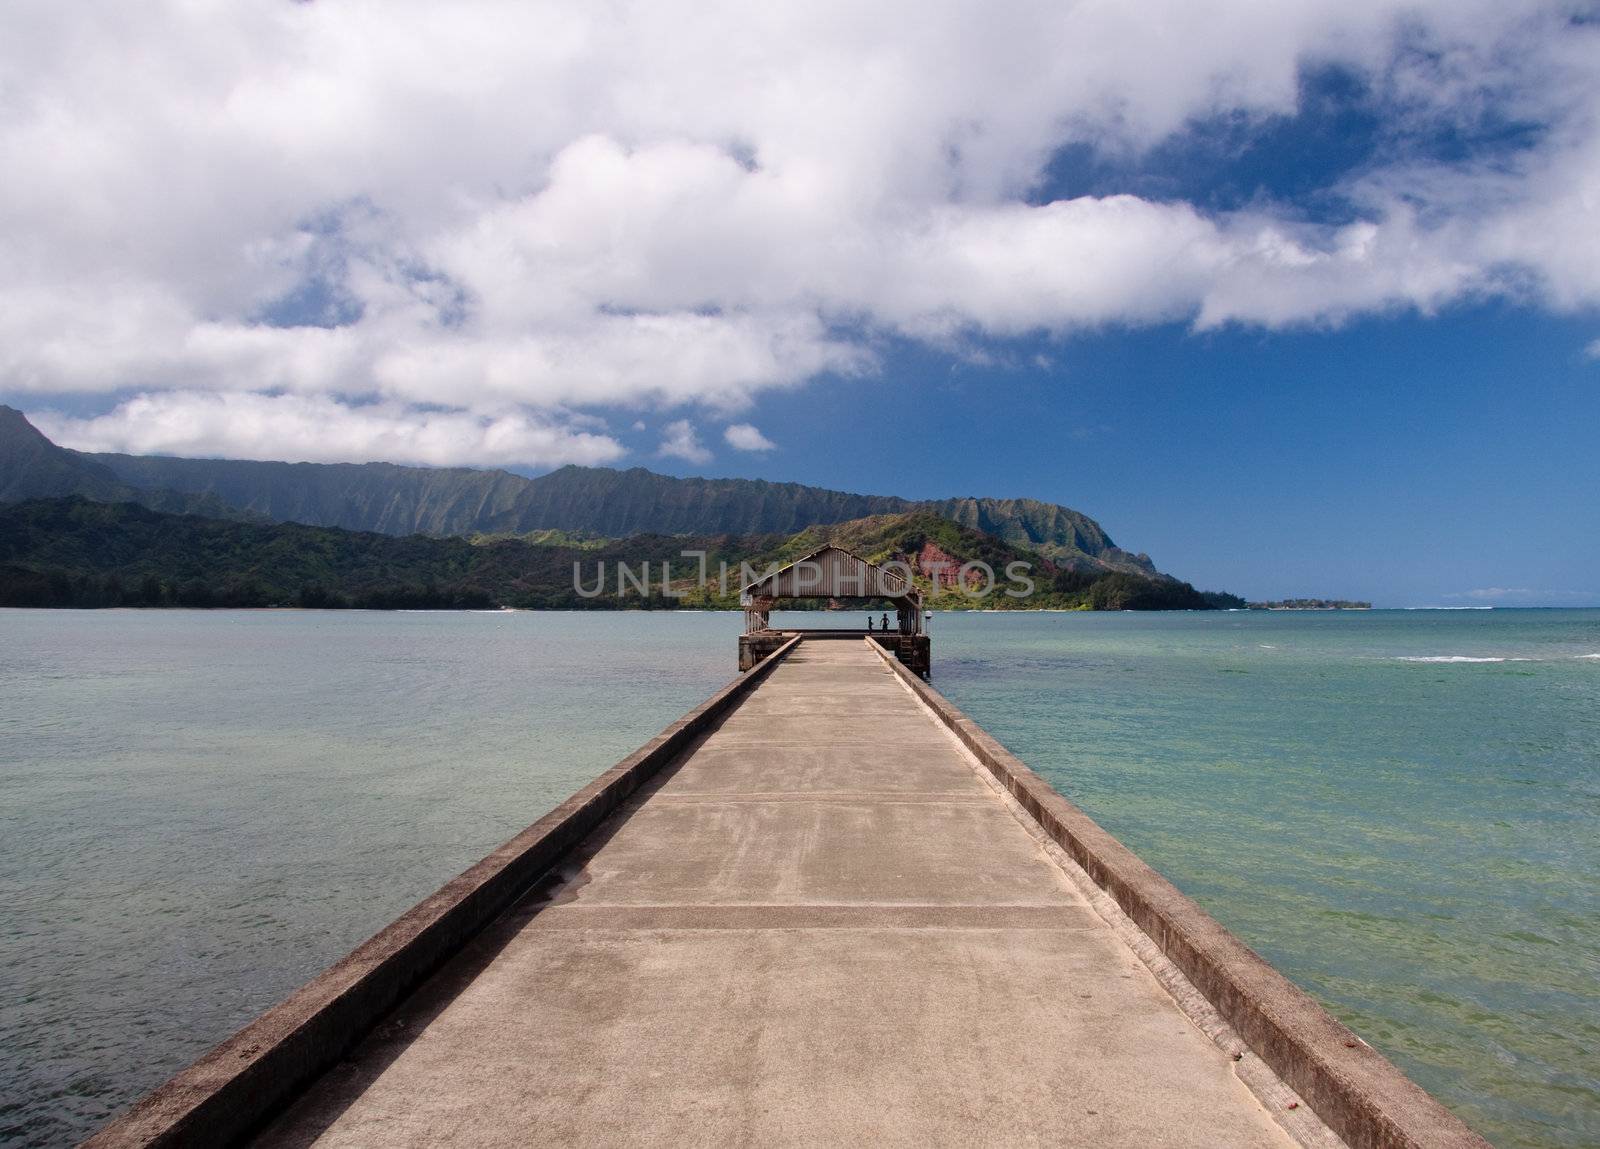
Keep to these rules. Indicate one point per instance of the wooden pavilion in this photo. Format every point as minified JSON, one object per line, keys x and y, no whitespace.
{"x":834,"y":574}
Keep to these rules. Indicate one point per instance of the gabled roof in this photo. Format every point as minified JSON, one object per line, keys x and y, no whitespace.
{"x":831,"y":572}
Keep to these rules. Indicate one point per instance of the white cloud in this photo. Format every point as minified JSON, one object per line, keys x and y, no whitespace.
{"x":1525,"y":596}
{"x":747,"y":437}
{"x":679,"y":441}
{"x":1593,"y":350}
{"x":319,"y":429}
{"x":544,"y":208}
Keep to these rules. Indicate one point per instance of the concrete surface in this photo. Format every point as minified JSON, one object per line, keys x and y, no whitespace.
{"x":820,"y":927}
{"x":1307,"y":1055}
{"x":232,"y":1088}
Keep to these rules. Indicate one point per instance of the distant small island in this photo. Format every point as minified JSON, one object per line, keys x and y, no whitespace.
{"x":1311,"y":604}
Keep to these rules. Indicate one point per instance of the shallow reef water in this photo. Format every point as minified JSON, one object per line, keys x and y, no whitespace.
{"x":200,"y":810}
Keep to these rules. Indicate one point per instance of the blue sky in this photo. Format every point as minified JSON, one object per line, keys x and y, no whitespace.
{"x":1403,"y":460}
{"x":1299,"y":299}
{"x":1450,"y":459}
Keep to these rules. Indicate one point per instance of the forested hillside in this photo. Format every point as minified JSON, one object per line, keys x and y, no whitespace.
{"x":397,"y":500}
{"x":76,"y":552}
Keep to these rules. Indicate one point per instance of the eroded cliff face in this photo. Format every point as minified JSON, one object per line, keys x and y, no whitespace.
{"x":943,"y":569}
{"x":33,"y":467}
{"x":590,"y":501}
{"x":74,"y":551}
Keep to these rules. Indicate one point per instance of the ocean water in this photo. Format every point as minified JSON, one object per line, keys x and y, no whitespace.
{"x":200,"y":810}
{"x":1399,"y":809}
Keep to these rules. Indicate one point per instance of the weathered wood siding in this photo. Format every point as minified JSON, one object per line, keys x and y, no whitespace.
{"x":830,"y":573}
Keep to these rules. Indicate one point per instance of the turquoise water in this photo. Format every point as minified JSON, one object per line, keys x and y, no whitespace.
{"x":200,"y":810}
{"x":1415,"y":841}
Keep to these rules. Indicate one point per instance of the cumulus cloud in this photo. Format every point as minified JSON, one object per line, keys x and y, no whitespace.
{"x":378,"y":211}
{"x":319,"y":429}
{"x":747,"y":437}
{"x":1525,"y":596}
{"x":679,"y":441}
{"x":1492,"y":592}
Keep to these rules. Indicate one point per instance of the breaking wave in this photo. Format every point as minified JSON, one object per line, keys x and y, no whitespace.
{"x":1459,"y":658}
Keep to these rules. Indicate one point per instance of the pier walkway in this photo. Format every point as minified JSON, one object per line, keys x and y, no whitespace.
{"x":824,"y":907}
{"x":821,"y":925}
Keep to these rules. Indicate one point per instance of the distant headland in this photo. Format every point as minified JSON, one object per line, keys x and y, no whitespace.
{"x":96,"y":530}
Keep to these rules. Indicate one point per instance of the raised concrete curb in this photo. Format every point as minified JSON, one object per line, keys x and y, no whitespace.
{"x":1358,"y":1093}
{"x":235,"y":1087}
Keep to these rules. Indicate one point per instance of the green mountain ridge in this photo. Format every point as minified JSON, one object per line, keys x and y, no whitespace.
{"x":31,"y":466}
{"x":397,"y":500}
{"x":73,"y":551}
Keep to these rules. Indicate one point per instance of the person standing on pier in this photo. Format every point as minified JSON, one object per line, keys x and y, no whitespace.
{"x":869,"y":624}
{"x":885,"y":624}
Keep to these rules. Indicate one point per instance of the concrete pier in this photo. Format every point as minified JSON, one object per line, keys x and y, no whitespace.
{"x":913,"y":650}
{"x":821,"y":928}
{"x":815,"y":912}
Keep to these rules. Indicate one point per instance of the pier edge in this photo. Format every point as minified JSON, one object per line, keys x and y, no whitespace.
{"x":239,"y":1084}
{"x":1358,"y":1092}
